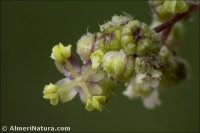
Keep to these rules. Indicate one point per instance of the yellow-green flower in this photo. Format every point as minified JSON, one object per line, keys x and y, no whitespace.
{"x":61,"y":53}
{"x":95,"y":102}
{"x":51,"y":92}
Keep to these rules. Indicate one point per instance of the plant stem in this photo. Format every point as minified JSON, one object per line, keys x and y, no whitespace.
{"x":166,"y":33}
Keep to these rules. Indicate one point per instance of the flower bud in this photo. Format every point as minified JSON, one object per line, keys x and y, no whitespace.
{"x":165,"y":9}
{"x":114,"y":63}
{"x":129,"y":68}
{"x":96,"y":58}
{"x":95,"y":102}
{"x":51,"y":92}
{"x":109,"y":41}
{"x":127,"y":40}
{"x":115,"y":23}
{"x":61,"y":53}
{"x":137,"y":38}
{"x":85,"y":46}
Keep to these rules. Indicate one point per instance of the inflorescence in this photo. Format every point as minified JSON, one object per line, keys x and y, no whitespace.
{"x":125,"y":51}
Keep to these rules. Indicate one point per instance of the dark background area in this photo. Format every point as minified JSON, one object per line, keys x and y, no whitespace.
{"x":29,"y":30}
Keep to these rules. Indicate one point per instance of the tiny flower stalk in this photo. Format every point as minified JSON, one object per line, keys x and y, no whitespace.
{"x":125,"y":51}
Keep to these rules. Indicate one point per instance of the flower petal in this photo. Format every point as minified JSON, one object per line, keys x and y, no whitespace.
{"x":67,"y":90}
{"x":96,"y":77}
{"x":68,"y":95}
{"x":94,"y":89}
{"x":61,"y":68}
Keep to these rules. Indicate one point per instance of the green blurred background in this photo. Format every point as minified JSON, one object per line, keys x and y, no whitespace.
{"x":30,"y":29}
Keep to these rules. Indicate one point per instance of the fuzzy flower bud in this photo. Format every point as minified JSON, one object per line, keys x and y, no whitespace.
{"x":61,"y":53}
{"x":115,"y":23}
{"x":95,"y":102}
{"x":109,"y":41}
{"x":114,"y":63}
{"x":85,"y":46}
{"x":51,"y":92}
{"x":137,"y":38}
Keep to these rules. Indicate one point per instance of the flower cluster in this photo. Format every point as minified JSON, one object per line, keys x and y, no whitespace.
{"x":124,"y":51}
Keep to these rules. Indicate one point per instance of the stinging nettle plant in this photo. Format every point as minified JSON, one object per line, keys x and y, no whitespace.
{"x":125,"y":51}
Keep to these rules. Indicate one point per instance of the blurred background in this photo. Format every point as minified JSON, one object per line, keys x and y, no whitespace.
{"x":30,"y":29}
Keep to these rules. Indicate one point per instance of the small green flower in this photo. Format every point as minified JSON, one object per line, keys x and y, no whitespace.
{"x":85,"y":46}
{"x":95,"y":102}
{"x":96,"y":58}
{"x":61,"y":53}
{"x":51,"y":92}
{"x":114,"y":63}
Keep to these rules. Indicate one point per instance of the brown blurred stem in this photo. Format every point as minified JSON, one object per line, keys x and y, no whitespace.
{"x":166,"y":33}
